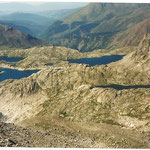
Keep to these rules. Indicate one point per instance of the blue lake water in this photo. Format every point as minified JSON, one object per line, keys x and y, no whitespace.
{"x":49,"y":64}
{"x":92,"y":61}
{"x":15,"y":74}
{"x":11,"y":59}
{"x":123,"y":87}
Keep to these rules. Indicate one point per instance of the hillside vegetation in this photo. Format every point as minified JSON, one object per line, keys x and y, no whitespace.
{"x":101,"y":26}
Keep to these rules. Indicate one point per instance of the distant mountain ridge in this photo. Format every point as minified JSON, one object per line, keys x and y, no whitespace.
{"x":14,"y":38}
{"x":33,"y":23}
{"x":18,"y":27}
{"x":101,"y":26}
{"x":30,"y":7}
{"x":25,"y":17}
{"x":35,"y":17}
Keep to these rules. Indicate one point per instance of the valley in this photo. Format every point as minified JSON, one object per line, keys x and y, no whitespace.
{"x":35,"y":19}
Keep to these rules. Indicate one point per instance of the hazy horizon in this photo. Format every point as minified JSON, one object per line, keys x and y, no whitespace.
{"x":38,"y":6}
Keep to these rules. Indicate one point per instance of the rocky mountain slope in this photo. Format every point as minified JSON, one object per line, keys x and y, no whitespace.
{"x":94,"y":135}
{"x":76,"y":98}
{"x":101,"y":26}
{"x":74,"y":76}
{"x":14,"y":38}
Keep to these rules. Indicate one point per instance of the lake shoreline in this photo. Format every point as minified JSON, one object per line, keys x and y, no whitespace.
{"x":93,"y":61}
{"x":14,"y":71}
{"x":20,"y":68}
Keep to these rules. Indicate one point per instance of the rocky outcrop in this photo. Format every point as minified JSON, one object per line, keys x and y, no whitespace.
{"x":77,"y":93}
{"x":143,"y":51}
{"x":138,"y":60}
{"x":72,"y":91}
{"x":38,"y":57}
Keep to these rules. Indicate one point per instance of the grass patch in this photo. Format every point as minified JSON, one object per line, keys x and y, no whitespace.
{"x":112,"y":122}
{"x":63,"y":114}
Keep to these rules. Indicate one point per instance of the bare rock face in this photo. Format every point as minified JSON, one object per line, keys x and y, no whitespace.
{"x":143,"y":51}
{"x":140,"y":59}
{"x":135,"y":64}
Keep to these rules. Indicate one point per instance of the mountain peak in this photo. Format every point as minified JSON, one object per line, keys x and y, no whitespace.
{"x":145,"y":40}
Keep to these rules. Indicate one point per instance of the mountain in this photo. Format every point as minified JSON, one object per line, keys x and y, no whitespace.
{"x":36,"y":18}
{"x":140,"y":58}
{"x":14,"y":38}
{"x":101,"y":25}
{"x":76,"y":100}
{"x":34,"y":23}
{"x":61,"y":5}
{"x":57,"y":14}
{"x":29,"y":7}
{"x":29,"y":17}
{"x":18,"y":27}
